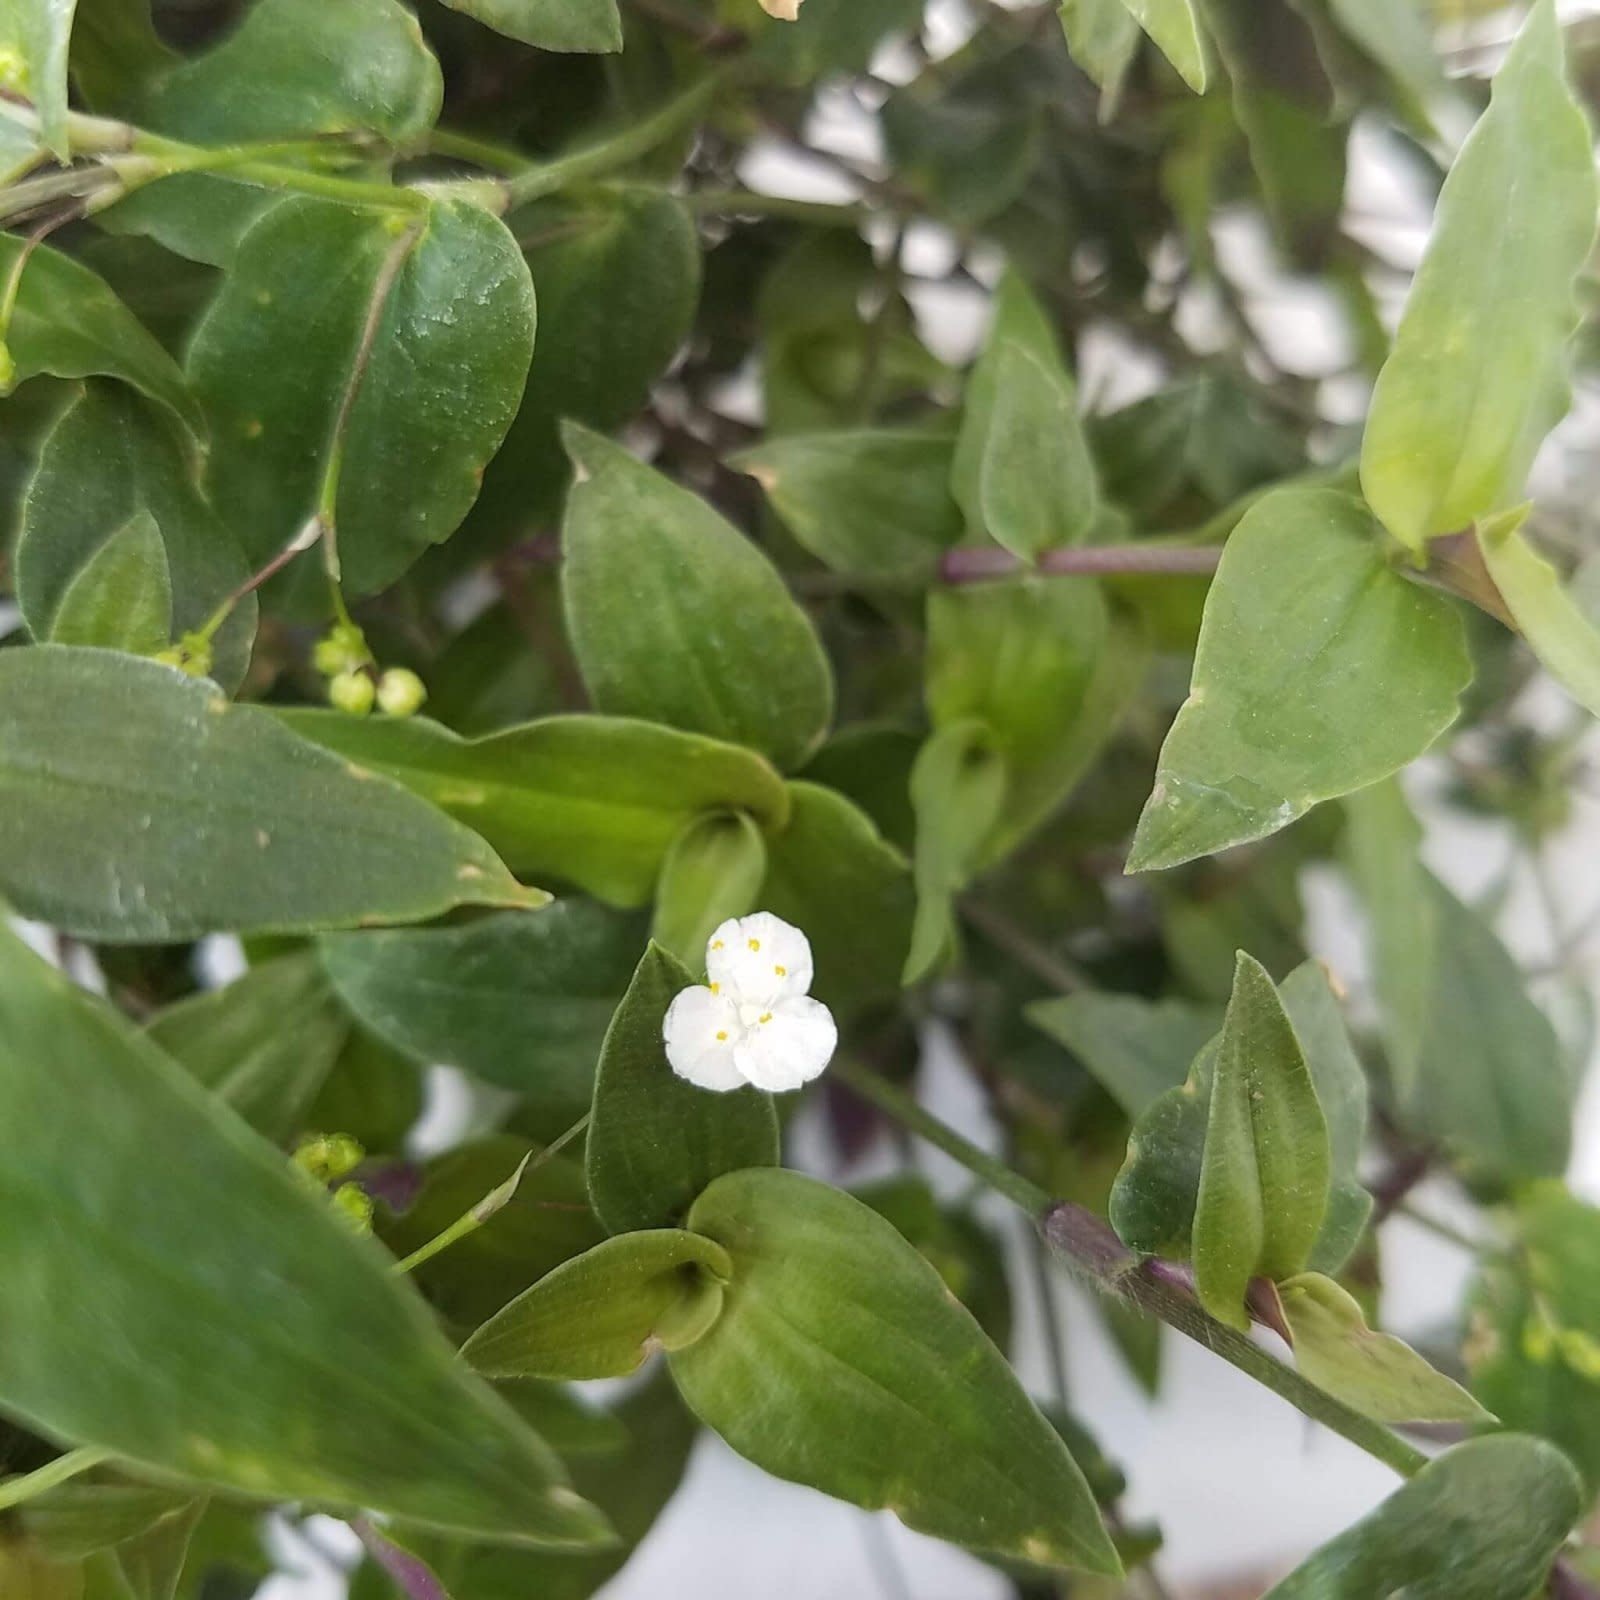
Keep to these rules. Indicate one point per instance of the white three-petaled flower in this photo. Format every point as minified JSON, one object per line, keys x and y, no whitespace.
{"x":753,"y":1021}
{"x":783,"y":10}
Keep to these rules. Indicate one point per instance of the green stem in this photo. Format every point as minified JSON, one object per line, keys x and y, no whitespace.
{"x":13,"y":1491}
{"x":1094,"y":1255}
{"x":486,"y":153}
{"x":492,"y":1202}
{"x":596,"y":160}
{"x":750,"y":203}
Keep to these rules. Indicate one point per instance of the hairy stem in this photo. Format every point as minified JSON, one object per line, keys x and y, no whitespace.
{"x":1100,"y":1260}
{"x":14,"y":1491}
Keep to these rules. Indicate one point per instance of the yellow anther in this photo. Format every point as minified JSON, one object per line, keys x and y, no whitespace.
{"x":716,"y":944}
{"x":783,"y":972}
{"x":767,"y":1017}
{"x":716,"y":988}
{"x":722,"y":1033}
{"x":755,"y":944}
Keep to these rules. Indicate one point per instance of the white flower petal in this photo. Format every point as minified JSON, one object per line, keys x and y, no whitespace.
{"x":700,"y":1032}
{"x":790,"y":1048}
{"x":783,"y":10}
{"x":759,"y":959}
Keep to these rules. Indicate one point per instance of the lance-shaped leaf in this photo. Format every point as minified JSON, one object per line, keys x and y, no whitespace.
{"x":1319,"y":670}
{"x":263,"y":1044}
{"x":676,"y":617}
{"x":957,"y":788}
{"x":1478,"y":374}
{"x":1175,"y":27}
{"x":276,"y":1354}
{"x":654,"y":1140}
{"x":67,"y":322}
{"x":584,"y":25}
{"x":1482,"y":1522}
{"x":111,"y":456}
{"x":1264,"y":1172}
{"x":364,"y":364}
{"x":34,"y":35}
{"x":137,"y":805}
{"x":841,"y":1361}
{"x":521,"y":1001}
{"x":597,"y":801}
{"x":1555,"y":626}
{"x":1103,"y":38}
{"x":1022,"y":472}
{"x":713,"y":871}
{"x":122,"y":598}
{"x":1380,"y":1376}
{"x":873,"y":503}
{"x":603,"y":1313}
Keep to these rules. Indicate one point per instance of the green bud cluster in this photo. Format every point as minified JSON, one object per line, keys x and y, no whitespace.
{"x":355,"y":685}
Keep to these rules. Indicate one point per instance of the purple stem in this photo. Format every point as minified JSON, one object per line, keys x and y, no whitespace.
{"x":412,"y":1576}
{"x":980,"y":563}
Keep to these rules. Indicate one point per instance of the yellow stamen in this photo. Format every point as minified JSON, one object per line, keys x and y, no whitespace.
{"x":755,"y":944}
{"x":766,"y":1018}
{"x":716,"y":944}
{"x":716,"y":988}
{"x":783,"y":972}
{"x":722,"y":1034}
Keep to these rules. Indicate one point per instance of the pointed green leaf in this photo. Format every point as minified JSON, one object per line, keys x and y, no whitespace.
{"x":137,"y":805}
{"x":594,"y":800}
{"x":1137,"y":1049}
{"x":1104,"y":39}
{"x":407,"y":410}
{"x":75,"y":1519}
{"x":676,"y":617}
{"x":520,"y":1001}
{"x":874,"y":503}
{"x":1482,"y":1522}
{"x":111,"y":456}
{"x":263,"y":1044}
{"x":841,"y":1361}
{"x":957,"y":789}
{"x":602,"y":1314}
{"x":654,"y":1140}
{"x":1478,"y":375}
{"x":1264,"y":1172}
{"x":713,"y":871}
{"x":833,"y":875}
{"x":122,"y":597}
{"x":1379,"y":1375}
{"x":273,"y":1324}
{"x":1557,"y":631}
{"x":586,"y":25}
{"x":67,"y":322}
{"x":34,"y":35}
{"x":1175,"y":27}
{"x":150,"y":1565}
{"x":1319,"y":670}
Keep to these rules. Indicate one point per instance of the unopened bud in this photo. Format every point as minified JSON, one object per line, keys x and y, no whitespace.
{"x":329,"y":1157}
{"x":401,"y":692}
{"x":352,"y":692}
{"x":355,"y":1204}
{"x":342,"y":649}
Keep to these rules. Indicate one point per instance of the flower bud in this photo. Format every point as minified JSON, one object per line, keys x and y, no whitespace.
{"x":401,"y":692}
{"x":342,"y":649}
{"x":355,"y":1204}
{"x":329,"y":1157}
{"x":352,"y":692}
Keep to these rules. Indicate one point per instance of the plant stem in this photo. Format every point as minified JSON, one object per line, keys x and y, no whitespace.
{"x":413,"y":1576}
{"x":14,"y":1491}
{"x":1044,"y":964}
{"x":1100,"y":1260}
{"x":980,"y":564}
{"x":752,"y":203}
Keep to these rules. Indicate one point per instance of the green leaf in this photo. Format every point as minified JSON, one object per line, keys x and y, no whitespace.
{"x":272,"y":1324}
{"x":1022,"y":471}
{"x":517,"y":1000}
{"x":263,"y":1044}
{"x":1481,"y":1522}
{"x":67,"y":322}
{"x":841,"y":1361}
{"x":676,"y":617}
{"x":1377,"y":1374}
{"x":1137,"y":1049}
{"x":603,"y":1314}
{"x":1045,"y":669}
{"x":1319,"y":670}
{"x":76,"y":1519}
{"x":713,"y":871}
{"x":1535,"y":1346}
{"x":116,"y":52}
{"x":1104,"y":39}
{"x":597,"y":801}
{"x":832,"y":874}
{"x":873,"y":503}
{"x":1400,"y":40}
{"x":654,"y":1140}
{"x":1557,"y":631}
{"x":110,"y":457}
{"x":1264,"y":1173}
{"x":297,"y":68}
{"x":137,"y":805}
{"x":34,"y":35}
{"x":149,"y":1566}
{"x":1478,"y":374}
{"x":372,"y":1092}
{"x":122,"y":597}
{"x":618,"y":279}
{"x":1175,"y":27}
{"x":957,"y":789}
{"x":390,"y":421}
{"x":21,"y":149}
{"x":586,"y":25}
